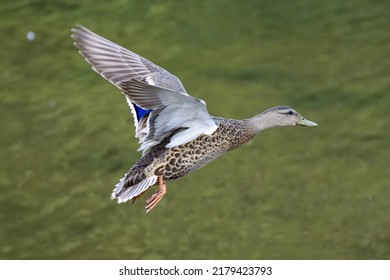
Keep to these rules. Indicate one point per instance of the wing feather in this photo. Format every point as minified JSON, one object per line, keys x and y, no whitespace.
{"x":126,"y":65}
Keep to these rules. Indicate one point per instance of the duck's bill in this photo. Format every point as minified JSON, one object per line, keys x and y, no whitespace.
{"x":305,"y":122}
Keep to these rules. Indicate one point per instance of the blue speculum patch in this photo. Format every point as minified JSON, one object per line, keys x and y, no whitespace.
{"x":140,"y":112}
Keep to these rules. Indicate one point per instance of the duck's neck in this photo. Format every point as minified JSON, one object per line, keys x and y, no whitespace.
{"x":260,"y":122}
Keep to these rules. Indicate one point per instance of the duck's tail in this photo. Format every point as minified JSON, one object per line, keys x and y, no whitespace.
{"x":123,"y":192}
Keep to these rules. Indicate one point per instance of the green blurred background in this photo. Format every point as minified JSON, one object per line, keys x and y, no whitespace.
{"x":67,"y":135}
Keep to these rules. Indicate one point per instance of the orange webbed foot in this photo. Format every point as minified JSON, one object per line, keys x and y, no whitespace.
{"x":155,"y":198}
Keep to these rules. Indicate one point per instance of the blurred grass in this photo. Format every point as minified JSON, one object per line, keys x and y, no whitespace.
{"x":291,"y":193}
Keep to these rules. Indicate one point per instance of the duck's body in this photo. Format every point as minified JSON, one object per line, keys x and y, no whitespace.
{"x":173,"y":163}
{"x":176,"y":133}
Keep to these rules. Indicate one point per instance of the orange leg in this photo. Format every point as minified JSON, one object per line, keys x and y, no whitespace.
{"x":152,"y":201}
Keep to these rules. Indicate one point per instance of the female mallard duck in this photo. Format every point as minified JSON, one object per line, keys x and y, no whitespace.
{"x":176,"y":133}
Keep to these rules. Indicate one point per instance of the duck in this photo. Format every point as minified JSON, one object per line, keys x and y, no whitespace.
{"x":176,"y":133}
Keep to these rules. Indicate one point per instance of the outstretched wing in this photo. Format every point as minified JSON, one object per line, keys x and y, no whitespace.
{"x":158,"y":100}
{"x":117,"y":64}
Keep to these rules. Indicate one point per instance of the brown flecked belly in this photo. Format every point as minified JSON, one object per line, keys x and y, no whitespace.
{"x":186,"y":158}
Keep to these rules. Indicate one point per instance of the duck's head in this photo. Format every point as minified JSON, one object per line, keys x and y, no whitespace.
{"x":286,"y":116}
{"x":279,"y":116}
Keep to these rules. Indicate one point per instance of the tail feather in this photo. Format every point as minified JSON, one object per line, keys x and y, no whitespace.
{"x":124,"y":194}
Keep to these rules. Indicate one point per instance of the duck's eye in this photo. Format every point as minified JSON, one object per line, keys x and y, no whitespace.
{"x":290,"y":113}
